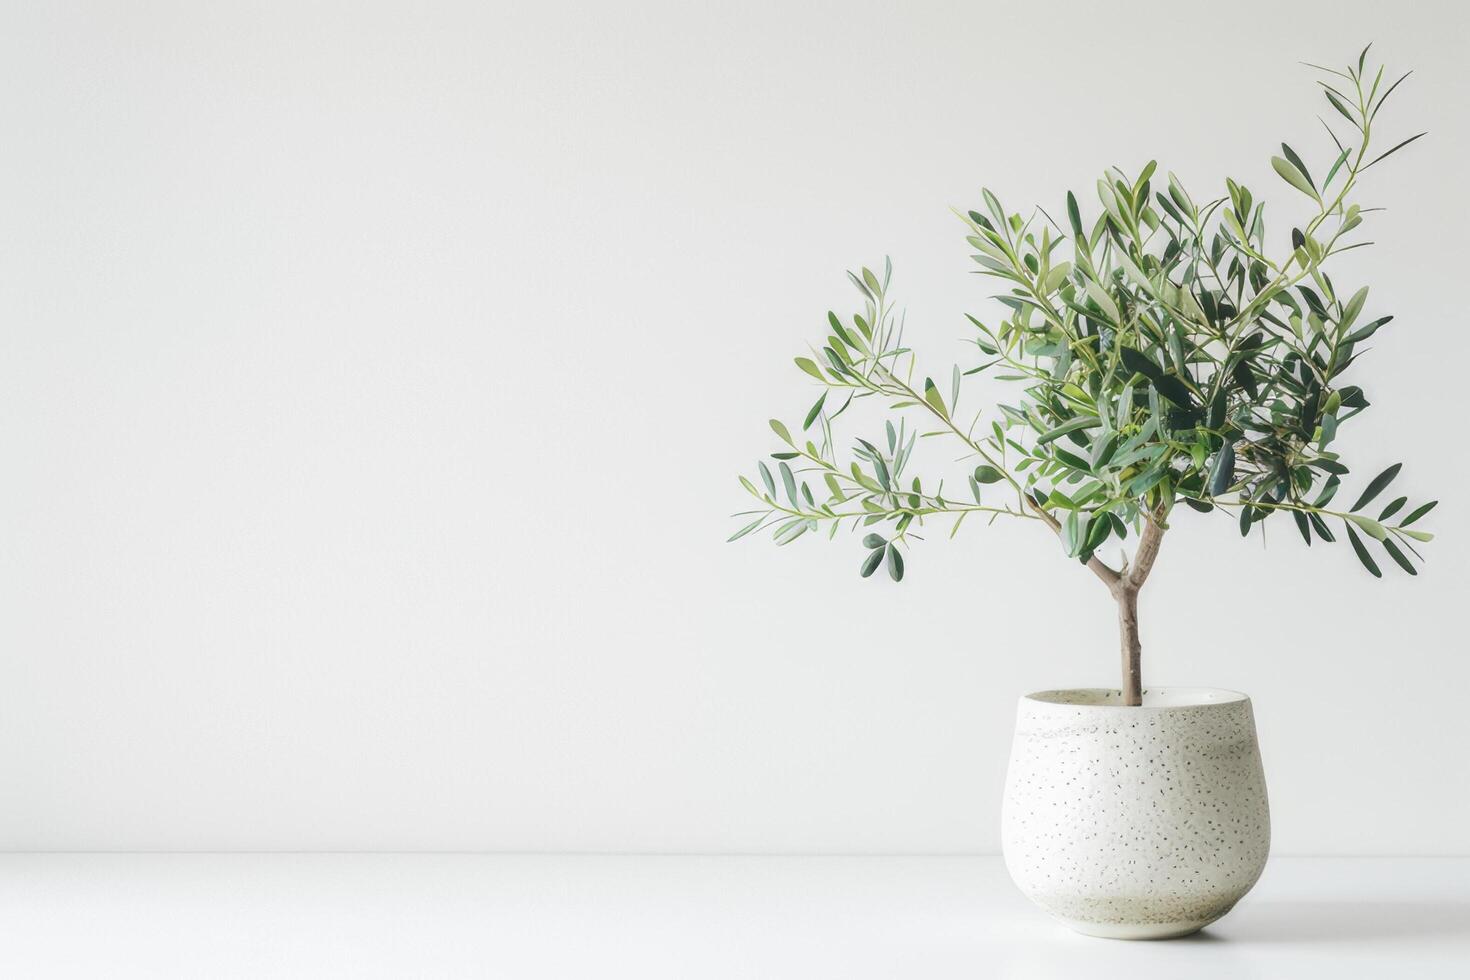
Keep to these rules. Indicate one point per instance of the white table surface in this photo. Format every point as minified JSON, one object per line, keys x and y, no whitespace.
{"x":694,"y":918}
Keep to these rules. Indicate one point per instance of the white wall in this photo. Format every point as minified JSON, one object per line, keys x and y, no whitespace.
{"x":374,"y":380}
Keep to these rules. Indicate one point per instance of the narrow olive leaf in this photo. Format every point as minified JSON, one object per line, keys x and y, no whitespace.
{"x":874,"y":541}
{"x":1085,"y":422}
{"x":931,"y":395}
{"x":1139,"y":364}
{"x":895,"y":564}
{"x":1105,"y":302}
{"x":1369,"y":526}
{"x":1384,"y":98}
{"x":1294,"y":177}
{"x":1417,"y":513}
{"x":1399,"y":557}
{"x":1332,"y":171}
{"x":1223,"y":472}
{"x":1352,"y":308}
{"x":871,"y":563}
{"x":1296,"y":162}
{"x":1375,"y":487}
{"x":1303,"y":526}
{"x":789,"y":482}
{"x":1366,"y":330}
{"x":780,"y":430}
{"x":1174,"y":390}
{"x":766,"y":479}
{"x":1329,"y":431}
{"x":1363,"y":555}
{"x":985,"y":473}
{"x":1342,"y":109}
{"x":1074,"y":218}
{"x":791,"y":531}
{"x":1395,"y":149}
{"x":1393,"y":508}
{"x":811,"y":415}
{"x":810,"y":367}
{"x":746,"y":529}
{"x":1245,"y":377}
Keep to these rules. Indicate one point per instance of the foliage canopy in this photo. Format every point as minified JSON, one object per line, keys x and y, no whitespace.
{"x":1161,"y":353}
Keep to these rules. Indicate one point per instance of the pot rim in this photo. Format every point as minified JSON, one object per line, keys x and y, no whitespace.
{"x":1154,"y":698}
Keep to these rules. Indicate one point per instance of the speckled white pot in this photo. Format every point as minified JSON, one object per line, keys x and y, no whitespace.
{"x":1136,"y":823}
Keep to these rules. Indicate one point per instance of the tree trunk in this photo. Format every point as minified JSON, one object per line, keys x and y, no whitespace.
{"x":1131,"y":649}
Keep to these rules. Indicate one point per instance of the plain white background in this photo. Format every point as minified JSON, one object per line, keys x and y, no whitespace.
{"x":374,"y":379}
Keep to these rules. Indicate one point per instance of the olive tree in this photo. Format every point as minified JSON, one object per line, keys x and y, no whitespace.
{"x":1162,"y":354}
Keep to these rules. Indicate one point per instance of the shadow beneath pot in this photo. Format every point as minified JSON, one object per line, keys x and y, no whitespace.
{"x":1339,"y":922}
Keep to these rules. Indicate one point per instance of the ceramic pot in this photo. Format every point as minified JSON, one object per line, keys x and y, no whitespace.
{"x":1135,"y":823}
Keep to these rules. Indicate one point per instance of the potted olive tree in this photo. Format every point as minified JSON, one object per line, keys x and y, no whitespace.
{"x":1164,"y":354}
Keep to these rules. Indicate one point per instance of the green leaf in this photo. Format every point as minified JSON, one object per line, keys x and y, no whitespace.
{"x":1329,"y":431}
{"x":1384,"y":97}
{"x":1083,"y":422}
{"x":766,"y":479}
{"x":985,"y":473}
{"x":789,"y":482}
{"x":780,"y":430}
{"x":1395,"y":149}
{"x":931,"y":395}
{"x":1174,"y":390}
{"x":810,"y":367}
{"x":874,"y":541}
{"x":1352,"y":309}
{"x":816,"y":409}
{"x":1139,"y":364}
{"x":790,"y":531}
{"x":895,"y":564}
{"x":871,"y":563}
{"x":1222,"y":474}
{"x":1366,"y":330}
{"x":1074,"y":218}
{"x":1295,"y":178}
{"x":1340,"y":107}
{"x":1417,"y":513}
{"x":1303,"y":525}
{"x":1104,"y":301}
{"x":1363,"y":555}
{"x":1393,"y":508}
{"x":1399,"y":557}
{"x":746,"y":529}
{"x":1296,"y":162}
{"x":1369,"y":526}
{"x":1376,"y":486}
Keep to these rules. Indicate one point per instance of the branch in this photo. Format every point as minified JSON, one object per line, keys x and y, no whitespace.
{"x":1100,"y":568}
